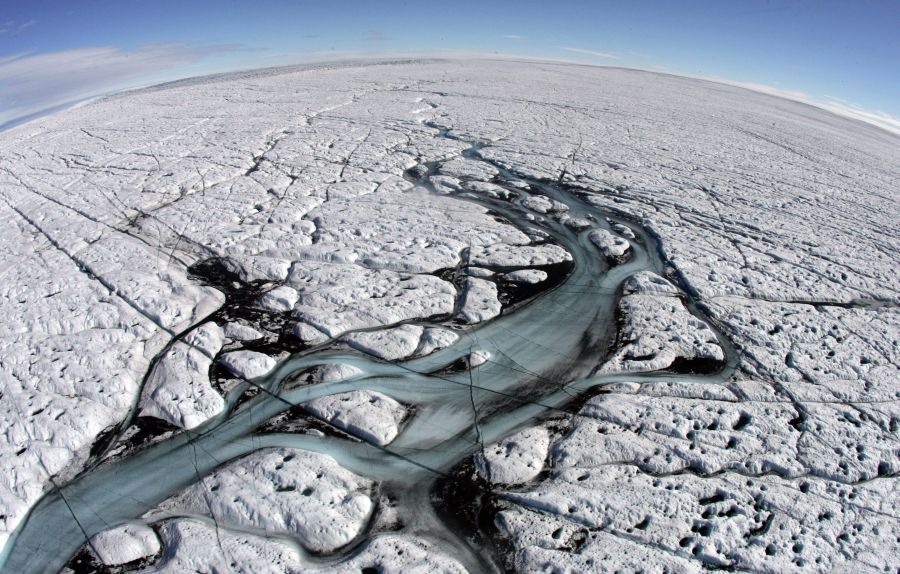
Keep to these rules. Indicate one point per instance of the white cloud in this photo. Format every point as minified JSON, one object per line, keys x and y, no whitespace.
{"x":30,"y":83}
{"x":832,"y":104}
{"x":836,"y":99}
{"x":769,"y":89}
{"x":590,"y":52}
{"x":513,"y":37}
{"x":881,"y":119}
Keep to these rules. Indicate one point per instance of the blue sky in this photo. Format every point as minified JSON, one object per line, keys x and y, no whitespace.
{"x":841,"y":55}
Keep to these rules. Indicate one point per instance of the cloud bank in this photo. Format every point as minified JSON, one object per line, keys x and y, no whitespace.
{"x":30,"y":83}
{"x":609,"y":55}
{"x":834,"y":105}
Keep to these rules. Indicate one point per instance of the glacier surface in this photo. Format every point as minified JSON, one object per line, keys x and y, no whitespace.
{"x":446,"y":315}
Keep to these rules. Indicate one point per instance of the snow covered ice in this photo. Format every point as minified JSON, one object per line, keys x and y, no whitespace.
{"x":439,"y":315}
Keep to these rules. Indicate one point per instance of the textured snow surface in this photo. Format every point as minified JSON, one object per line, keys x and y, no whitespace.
{"x":609,"y":244}
{"x":516,"y":459}
{"x":541,"y":204}
{"x":390,"y":344}
{"x":394,"y":554}
{"x":248,"y":364}
{"x":479,"y":301}
{"x":283,"y":491}
{"x":178,"y":389}
{"x":195,"y":546}
{"x":337,"y":372}
{"x":370,"y":415}
{"x":665,"y":471}
{"x":279,"y":299}
{"x":526,"y":276}
{"x":124,"y":544}
{"x":338,"y":298}
{"x":503,"y":254}
{"x":338,"y":202}
{"x":545,"y":543}
{"x":239,"y":332}
{"x":657,"y":329}
{"x":434,"y":339}
{"x":401,"y":342}
{"x":795,"y":525}
{"x":476,"y":358}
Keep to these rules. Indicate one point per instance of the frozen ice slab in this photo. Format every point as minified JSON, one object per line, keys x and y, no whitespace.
{"x":333,"y":372}
{"x":434,"y":339}
{"x":479,"y":301}
{"x":389,"y":344}
{"x":193,"y":545}
{"x":248,"y":364}
{"x":544,"y":205}
{"x":526,"y":276}
{"x":178,"y":390}
{"x":279,"y":299}
{"x":516,"y":459}
{"x":291,"y":492}
{"x":398,"y":553}
{"x":370,"y":415}
{"x":336,"y":298}
{"x":505,"y":255}
{"x":239,"y":332}
{"x":659,"y":332}
{"x":401,"y":342}
{"x":197,"y":546}
{"x":470,"y":169}
{"x":612,"y":246}
{"x":477,"y":358}
{"x":124,"y":544}
{"x":308,"y":334}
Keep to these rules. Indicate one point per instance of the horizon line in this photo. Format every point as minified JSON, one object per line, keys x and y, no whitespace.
{"x":882,"y":121}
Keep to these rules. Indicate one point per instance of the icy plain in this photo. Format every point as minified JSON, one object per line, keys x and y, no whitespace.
{"x":436,"y":315}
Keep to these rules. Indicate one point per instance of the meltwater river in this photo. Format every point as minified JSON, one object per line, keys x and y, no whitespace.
{"x":543,"y":354}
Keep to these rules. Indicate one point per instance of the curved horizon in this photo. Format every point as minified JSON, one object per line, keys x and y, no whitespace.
{"x":835,"y":55}
{"x":881,"y":120}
